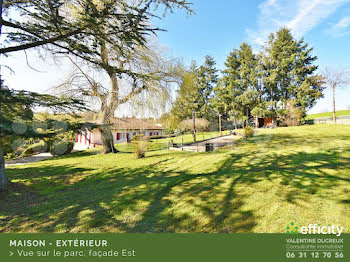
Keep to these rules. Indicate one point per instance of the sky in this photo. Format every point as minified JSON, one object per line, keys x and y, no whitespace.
{"x":216,"y":28}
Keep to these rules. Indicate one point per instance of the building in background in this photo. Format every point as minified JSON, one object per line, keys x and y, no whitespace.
{"x":123,"y":130}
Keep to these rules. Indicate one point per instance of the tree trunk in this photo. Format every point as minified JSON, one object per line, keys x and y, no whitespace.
{"x":194,"y":127}
{"x":256,"y":122}
{"x":107,"y":135}
{"x":334,"y":116}
{"x":107,"y":141}
{"x":3,"y":179}
{"x":235,"y":120}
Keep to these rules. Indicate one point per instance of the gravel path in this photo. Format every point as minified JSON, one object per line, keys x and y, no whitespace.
{"x":217,"y":142}
{"x":28,"y":159}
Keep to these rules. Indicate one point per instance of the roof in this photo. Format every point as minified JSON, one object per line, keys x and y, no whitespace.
{"x":134,"y":124}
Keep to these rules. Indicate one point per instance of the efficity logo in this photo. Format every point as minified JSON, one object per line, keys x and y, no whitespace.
{"x":292,"y":229}
{"x":314,"y":229}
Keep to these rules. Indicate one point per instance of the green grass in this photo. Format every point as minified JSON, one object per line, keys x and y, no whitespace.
{"x":298,"y":174}
{"x":329,"y":114}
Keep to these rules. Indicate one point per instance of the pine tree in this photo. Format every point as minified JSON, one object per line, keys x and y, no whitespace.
{"x":228,"y":89}
{"x":239,"y":89}
{"x":291,"y":73}
{"x":207,"y":79}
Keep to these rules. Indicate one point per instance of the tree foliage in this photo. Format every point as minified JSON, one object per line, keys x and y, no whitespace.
{"x":265,"y":84}
{"x":77,"y":26}
{"x":17,"y":119}
{"x":196,"y":91}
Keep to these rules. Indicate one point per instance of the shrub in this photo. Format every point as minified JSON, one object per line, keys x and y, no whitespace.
{"x":140,"y":145}
{"x":292,"y":115}
{"x":248,"y":131}
{"x":10,"y":156}
{"x":138,"y":137}
{"x":140,"y":149}
{"x":61,"y":147}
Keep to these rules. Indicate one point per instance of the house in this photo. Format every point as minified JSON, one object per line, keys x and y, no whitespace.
{"x":123,"y":129}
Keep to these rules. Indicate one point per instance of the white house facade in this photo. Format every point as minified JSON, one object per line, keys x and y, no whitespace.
{"x":123,"y":130}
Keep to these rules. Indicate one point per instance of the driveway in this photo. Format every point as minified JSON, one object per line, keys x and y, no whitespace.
{"x":28,"y":159}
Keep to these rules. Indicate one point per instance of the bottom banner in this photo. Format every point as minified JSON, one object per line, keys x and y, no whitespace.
{"x":173,"y":247}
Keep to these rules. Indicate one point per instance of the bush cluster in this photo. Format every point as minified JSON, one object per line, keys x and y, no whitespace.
{"x":248,"y":131}
{"x":59,"y":148}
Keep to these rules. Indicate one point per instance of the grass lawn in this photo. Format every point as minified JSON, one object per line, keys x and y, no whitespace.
{"x":329,"y":114}
{"x":299,"y":174}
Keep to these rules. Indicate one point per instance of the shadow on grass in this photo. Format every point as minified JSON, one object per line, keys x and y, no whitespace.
{"x":150,"y":199}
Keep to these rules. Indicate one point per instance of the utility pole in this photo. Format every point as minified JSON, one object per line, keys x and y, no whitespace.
{"x":220,"y":125}
{"x":194,"y":125}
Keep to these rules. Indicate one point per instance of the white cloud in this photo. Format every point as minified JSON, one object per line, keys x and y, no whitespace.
{"x":345,"y":22}
{"x":300,"y":16}
{"x":341,"y":28}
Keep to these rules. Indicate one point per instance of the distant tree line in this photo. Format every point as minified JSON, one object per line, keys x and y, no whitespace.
{"x":275,"y":82}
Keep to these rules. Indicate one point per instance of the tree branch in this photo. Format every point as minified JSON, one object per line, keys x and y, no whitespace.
{"x":34,"y":44}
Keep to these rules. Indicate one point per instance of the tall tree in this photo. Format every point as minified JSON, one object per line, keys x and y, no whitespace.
{"x":248,"y":79}
{"x":228,"y":89}
{"x":260,"y":105}
{"x":291,"y":71}
{"x":187,"y":96}
{"x":239,"y":89}
{"x":207,"y":79}
{"x":104,"y":33}
{"x":196,"y":91}
{"x":336,"y":79}
{"x":150,"y":74}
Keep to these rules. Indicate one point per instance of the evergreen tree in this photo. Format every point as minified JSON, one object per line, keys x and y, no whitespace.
{"x":248,"y":79}
{"x":207,"y":79}
{"x":239,"y":89}
{"x":291,"y":73}
{"x":196,"y":91}
{"x":76,"y":26}
{"x":228,"y":89}
{"x":17,"y":118}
